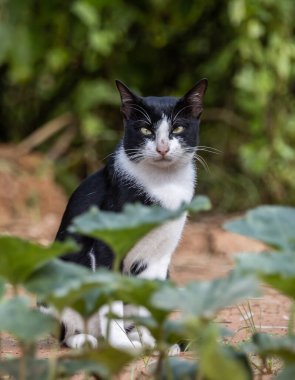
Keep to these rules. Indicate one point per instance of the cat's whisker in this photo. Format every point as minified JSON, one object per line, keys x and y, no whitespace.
{"x":208,"y":149}
{"x":202,"y":161}
{"x":108,"y":156}
{"x":138,"y":108}
{"x":182,"y":109}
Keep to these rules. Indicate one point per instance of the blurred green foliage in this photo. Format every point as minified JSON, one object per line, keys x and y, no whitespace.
{"x":59,"y":57}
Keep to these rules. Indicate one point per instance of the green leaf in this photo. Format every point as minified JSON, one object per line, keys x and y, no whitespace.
{"x":105,"y":362}
{"x":277,"y":269}
{"x":287,"y":373}
{"x":19,"y":258}
{"x":228,"y":363}
{"x":2,"y":288}
{"x":282,"y":346}
{"x":57,"y":277}
{"x":122,"y":230}
{"x":203,"y":299}
{"x":62,"y":284}
{"x":175,"y":369}
{"x":25,"y":323}
{"x":273,"y":225}
{"x":35,"y":369}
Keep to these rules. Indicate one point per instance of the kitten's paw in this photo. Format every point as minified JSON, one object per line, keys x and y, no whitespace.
{"x":174,"y":350}
{"x":142,"y":336}
{"x":79,"y":340}
{"x":132,"y":346}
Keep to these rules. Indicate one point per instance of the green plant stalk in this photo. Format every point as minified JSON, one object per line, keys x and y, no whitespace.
{"x":52,"y":367}
{"x":291,"y":319}
{"x":22,"y":371}
{"x":162,"y":354}
{"x":117,"y":262}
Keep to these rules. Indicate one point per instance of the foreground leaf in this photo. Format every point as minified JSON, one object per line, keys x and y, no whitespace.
{"x":57,"y":277}
{"x":277,"y":269}
{"x":19,"y":258}
{"x":35,"y":369}
{"x":175,"y":369}
{"x":287,"y":373}
{"x":273,"y":225}
{"x":2,"y":288}
{"x":203,"y":299}
{"x":219,"y":361}
{"x":122,"y":230}
{"x":25,"y":323}
{"x":282,"y":346}
{"x":105,"y":362}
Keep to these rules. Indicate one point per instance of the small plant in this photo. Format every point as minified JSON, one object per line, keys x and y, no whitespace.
{"x":60,"y":285}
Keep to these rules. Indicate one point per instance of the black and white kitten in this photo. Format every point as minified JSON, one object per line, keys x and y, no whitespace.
{"x":153,"y":164}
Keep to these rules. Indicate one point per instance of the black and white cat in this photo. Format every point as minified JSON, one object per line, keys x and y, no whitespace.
{"x":152,"y":164}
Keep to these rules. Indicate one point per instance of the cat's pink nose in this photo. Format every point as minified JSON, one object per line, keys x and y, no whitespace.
{"x":163,"y":150}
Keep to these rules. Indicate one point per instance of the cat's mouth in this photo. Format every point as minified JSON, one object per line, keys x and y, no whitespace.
{"x":163,"y":161}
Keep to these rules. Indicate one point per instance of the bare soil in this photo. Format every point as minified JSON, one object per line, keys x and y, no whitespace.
{"x":31,"y":205}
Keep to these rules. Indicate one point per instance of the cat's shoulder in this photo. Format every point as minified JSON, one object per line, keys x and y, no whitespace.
{"x":90,"y":191}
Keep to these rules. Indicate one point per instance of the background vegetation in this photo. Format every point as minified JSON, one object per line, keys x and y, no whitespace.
{"x":58,"y":62}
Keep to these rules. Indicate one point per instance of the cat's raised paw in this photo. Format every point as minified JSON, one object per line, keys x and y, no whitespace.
{"x":79,"y":340}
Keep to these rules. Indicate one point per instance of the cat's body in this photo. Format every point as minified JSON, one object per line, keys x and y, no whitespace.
{"x":153,"y":164}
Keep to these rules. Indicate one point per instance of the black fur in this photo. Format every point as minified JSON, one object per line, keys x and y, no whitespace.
{"x":138,"y":267}
{"x":108,"y":192}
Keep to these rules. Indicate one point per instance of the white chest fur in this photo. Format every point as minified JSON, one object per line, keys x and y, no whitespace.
{"x":170,"y":187}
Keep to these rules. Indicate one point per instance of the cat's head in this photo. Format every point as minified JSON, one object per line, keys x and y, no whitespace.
{"x":161,"y":131}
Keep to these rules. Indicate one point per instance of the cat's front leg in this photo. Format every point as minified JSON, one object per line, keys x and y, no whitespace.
{"x":113,"y":330}
{"x":138,"y":333}
{"x":76,"y":335}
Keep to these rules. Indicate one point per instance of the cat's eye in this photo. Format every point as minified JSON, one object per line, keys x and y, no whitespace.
{"x":178,"y":130}
{"x":145,"y":131}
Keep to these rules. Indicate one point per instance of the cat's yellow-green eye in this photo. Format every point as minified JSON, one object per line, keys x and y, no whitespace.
{"x":145,"y":131}
{"x":178,"y":130}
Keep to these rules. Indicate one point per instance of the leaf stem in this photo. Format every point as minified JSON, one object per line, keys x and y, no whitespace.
{"x":291,"y":319}
{"x":22,"y":370}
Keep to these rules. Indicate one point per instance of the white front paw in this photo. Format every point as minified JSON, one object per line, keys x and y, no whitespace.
{"x":143,"y":336}
{"x":79,"y":340}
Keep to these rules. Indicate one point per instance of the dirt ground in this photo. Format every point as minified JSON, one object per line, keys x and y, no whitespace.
{"x":31,"y":205}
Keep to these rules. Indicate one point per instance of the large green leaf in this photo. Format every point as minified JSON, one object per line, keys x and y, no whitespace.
{"x":62,"y":284}
{"x":35,"y":369}
{"x":277,"y":269}
{"x":122,"y":230}
{"x":105,"y":362}
{"x":57,"y":277}
{"x":19,"y":258}
{"x":174,"y":368}
{"x":273,"y":225}
{"x":282,"y":346}
{"x":2,"y":288}
{"x":205,"y":298}
{"x":287,"y":373}
{"x":221,"y":362}
{"x":25,"y":323}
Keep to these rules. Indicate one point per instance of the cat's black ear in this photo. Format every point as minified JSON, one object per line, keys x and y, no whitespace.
{"x":127,"y":98}
{"x":194,"y":98}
